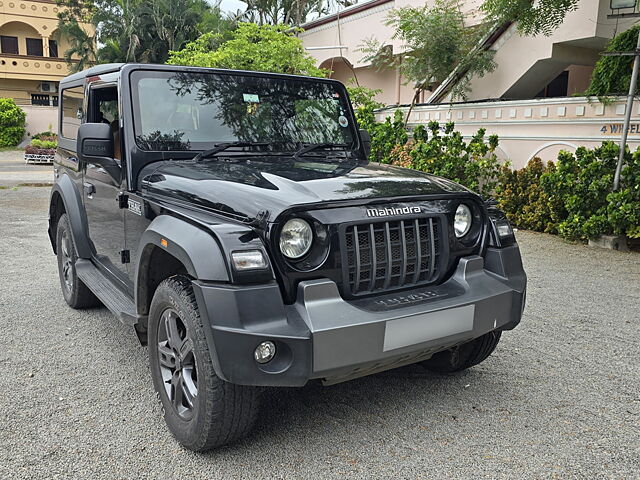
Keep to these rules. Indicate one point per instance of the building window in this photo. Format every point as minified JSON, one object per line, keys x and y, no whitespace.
{"x":9,"y":44}
{"x":53,"y":49}
{"x":558,"y":87}
{"x":34,"y":47}
{"x":40,"y":99}
{"x":72,"y":113}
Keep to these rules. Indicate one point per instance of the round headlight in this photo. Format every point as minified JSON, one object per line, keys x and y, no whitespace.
{"x":462,"y":220}
{"x":295,"y":238}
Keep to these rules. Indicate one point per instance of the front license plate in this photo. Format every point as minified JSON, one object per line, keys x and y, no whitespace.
{"x":429,"y":326}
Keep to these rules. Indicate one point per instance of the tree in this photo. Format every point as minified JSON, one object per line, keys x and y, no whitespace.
{"x":75,"y":24}
{"x":267,"y":48}
{"x":533,"y":18}
{"x":612,"y":74}
{"x":436,"y":42}
{"x":289,"y":12}
{"x":135,"y":30}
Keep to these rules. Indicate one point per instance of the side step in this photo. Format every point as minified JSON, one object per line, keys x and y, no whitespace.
{"x":113,"y":298}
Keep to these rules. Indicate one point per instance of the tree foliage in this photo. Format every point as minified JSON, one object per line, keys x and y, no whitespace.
{"x":541,"y":17}
{"x":612,"y":75}
{"x":134,"y":30}
{"x":436,"y":42}
{"x":267,"y":48}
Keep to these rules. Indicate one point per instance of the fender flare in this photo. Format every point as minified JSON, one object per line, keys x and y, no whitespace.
{"x":75,"y":212}
{"x":196,"y":249}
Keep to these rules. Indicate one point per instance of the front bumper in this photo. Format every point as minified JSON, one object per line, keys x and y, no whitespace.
{"x":322,"y":336}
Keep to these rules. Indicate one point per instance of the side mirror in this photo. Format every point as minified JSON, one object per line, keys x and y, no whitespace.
{"x":95,"y":146}
{"x":365,"y":139}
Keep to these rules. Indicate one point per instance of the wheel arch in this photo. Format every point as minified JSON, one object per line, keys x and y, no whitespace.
{"x":65,"y":198}
{"x":171,"y":246}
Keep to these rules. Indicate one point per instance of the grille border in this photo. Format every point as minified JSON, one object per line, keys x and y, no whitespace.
{"x":439,"y":266}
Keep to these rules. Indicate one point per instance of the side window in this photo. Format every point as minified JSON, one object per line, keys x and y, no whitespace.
{"x":72,"y":113}
{"x":103,"y":108}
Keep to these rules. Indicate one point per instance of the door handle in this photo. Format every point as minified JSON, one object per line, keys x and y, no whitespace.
{"x":89,"y":189}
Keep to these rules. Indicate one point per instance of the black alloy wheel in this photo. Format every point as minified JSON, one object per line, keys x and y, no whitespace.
{"x":177,"y":363}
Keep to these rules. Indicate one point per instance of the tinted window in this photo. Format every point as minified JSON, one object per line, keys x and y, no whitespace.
{"x":198,"y":110}
{"x":53,"y":48}
{"x":34,"y":47}
{"x":72,"y":113}
{"x":9,"y":44}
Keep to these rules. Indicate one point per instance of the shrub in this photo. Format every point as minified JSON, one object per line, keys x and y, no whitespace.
{"x":49,"y":135}
{"x":473,"y":164}
{"x":12,"y":122}
{"x":573,"y":196}
{"x":521,"y":196}
{"x":48,"y":144}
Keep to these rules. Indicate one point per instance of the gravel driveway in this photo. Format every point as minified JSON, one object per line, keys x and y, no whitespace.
{"x":560,"y":398}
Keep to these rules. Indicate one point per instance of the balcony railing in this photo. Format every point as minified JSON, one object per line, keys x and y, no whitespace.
{"x":39,"y":67}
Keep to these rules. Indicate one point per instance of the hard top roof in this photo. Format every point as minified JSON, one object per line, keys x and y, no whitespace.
{"x":97,"y":70}
{"x":115,"y":67}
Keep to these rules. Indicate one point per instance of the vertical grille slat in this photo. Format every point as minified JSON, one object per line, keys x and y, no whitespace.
{"x":416,"y":273}
{"x":386,"y":255}
{"x":374,"y":258}
{"x":432,"y":243}
{"x":403,"y":257}
{"x":356,"y":243}
{"x":387,"y":241}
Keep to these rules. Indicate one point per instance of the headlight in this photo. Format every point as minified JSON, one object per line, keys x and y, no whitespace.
{"x":462,"y":220}
{"x":295,"y":238}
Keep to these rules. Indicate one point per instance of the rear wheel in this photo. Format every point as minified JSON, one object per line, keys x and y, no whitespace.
{"x":75,"y":293}
{"x":201,"y":410}
{"x":464,"y":356}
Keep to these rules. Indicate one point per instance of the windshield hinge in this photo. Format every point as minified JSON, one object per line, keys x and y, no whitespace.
{"x":123,"y":200}
{"x":125,"y":257}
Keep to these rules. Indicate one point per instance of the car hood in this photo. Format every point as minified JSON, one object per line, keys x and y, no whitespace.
{"x":265,"y":187}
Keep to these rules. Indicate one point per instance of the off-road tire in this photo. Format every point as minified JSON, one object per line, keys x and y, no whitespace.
{"x":222,"y":412}
{"x":463,"y":356}
{"x":74,"y":291}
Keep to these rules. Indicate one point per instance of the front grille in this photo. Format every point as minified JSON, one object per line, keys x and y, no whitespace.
{"x":388,"y":255}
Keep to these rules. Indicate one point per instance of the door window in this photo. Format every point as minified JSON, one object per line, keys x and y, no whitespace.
{"x":103,"y":108}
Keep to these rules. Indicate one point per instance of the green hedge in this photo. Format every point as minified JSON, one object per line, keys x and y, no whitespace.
{"x":571,"y":197}
{"x":12,"y":122}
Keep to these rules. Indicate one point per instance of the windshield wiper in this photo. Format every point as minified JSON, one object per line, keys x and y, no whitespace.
{"x":313,"y":146}
{"x":223,"y":146}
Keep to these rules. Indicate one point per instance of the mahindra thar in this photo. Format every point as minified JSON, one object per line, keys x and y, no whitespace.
{"x":233,"y":220}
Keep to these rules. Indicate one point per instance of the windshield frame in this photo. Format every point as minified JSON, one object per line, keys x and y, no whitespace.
{"x":159,"y":71}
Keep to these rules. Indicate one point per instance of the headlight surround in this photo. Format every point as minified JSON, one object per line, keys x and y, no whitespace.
{"x":462,"y":220}
{"x":296,"y":238}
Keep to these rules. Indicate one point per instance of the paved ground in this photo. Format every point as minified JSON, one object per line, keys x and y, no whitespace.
{"x":13,"y":170}
{"x":560,"y":398}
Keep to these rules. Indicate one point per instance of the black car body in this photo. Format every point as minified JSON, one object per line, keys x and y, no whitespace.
{"x":386,"y":281}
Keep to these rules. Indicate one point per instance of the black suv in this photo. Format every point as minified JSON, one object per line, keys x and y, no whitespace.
{"x":233,"y":220}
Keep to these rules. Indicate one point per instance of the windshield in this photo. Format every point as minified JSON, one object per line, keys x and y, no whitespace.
{"x":196,"y":111}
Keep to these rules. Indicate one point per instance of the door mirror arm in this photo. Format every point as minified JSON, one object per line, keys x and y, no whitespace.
{"x":95,"y":145}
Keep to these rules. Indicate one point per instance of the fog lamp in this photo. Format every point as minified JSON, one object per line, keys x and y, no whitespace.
{"x":248,"y":260}
{"x":264,"y":352}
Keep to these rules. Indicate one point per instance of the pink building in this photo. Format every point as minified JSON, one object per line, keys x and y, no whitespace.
{"x":528,"y":100}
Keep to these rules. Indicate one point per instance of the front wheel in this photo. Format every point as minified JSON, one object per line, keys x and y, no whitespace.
{"x":201,"y":410}
{"x":464,"y":356}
